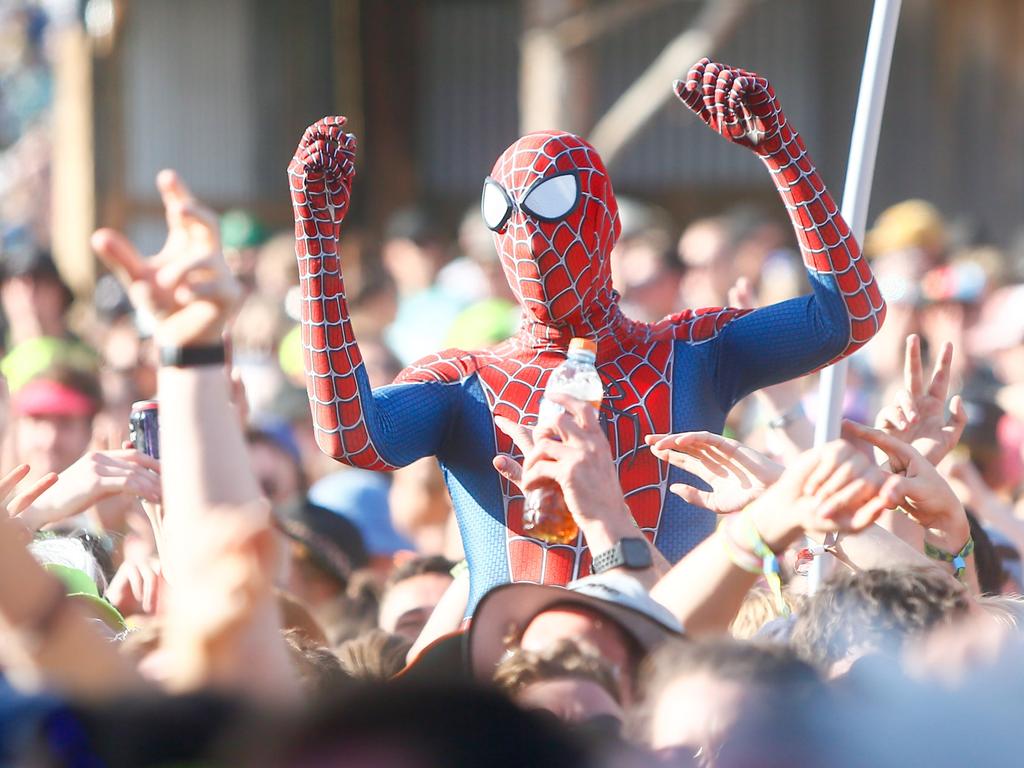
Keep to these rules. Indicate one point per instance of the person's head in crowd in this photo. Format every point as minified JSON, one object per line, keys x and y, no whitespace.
{"x":754,"y":239}
{"x":53,"y":418}
{"x":411,"y":593}
{"x":241,"y":235}
{"x":362,"y":498}
{"x":644,"y":270}
{"x":758,"y":609}
{"x":296,"y":617}
{"x":374,"y":655}
{"x":319,"y":670}
{"x":407,"y":725}
{"x":323,"y":551}
{"x":275,"y":459}
{"x":569,"y":680}
{"x":420,"y":505}
{"x":35,"y":298}
{"x":413,"y":250}
{"x":998,"y":337}
{"x":1006,"y":609}
{"x":703,"y":250}
{"x":697,"y":692}
{"x":476,"y":243}
{"x":382,"y":367}
{"x":912,"y":227}
{"x":611,"y":612}
{"x":84,"y":579}
{"x":992,"y":442}
{"x":356,"y":613}
{"x":128,"y":372}
{"x":856,"y":614}
{"x":373,"y":307}
{"x":276,"y":272}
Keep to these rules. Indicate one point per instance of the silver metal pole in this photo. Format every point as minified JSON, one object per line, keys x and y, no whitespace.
{"x":856,"y":196}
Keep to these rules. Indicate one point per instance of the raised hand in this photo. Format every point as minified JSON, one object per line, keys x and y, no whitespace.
{"x":573,"y":451}
{"x":187,"y":287}
{"x":918,"y":416}
{"x":321,"y":174}
{"x":834,"y":488}
{"x":135,"y":588}
{"x":736,"y":104}
{"x":16,"y":503}
{"x":924,"y":495}
{"x":737,"y":474}
{"x":96,"y":476}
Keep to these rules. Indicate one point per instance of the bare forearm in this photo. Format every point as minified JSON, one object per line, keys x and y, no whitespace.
{"x":199,"y":431}
{"x":209,"y":485}
{"x":704,"y":590}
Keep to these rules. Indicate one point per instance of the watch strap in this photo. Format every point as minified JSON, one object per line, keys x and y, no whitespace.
{"x":616,"y":557}
{"x":193,"y":356}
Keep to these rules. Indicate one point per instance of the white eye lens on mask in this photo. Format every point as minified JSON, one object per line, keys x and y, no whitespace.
{"x":553,"y":198}
{"x":495,"y":205}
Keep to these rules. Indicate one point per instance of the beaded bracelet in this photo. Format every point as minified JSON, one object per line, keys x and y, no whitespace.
{"x":959,"y":560}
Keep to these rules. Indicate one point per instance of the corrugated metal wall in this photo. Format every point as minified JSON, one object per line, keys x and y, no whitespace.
{"x":221,"y":90}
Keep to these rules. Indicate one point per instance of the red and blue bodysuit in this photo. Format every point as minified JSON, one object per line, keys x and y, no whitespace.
{"x":550,"y":204}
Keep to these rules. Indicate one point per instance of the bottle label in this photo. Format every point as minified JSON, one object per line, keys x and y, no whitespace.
{"x":550,"y":410}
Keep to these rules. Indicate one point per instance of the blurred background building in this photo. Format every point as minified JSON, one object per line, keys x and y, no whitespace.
{"x":98,"y":95}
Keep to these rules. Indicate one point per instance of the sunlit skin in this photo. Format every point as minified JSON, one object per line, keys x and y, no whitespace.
{"x":405,"y":607}
{"x":276,"y":472}
{"x":34,"y":305}
{"x":588,"y":627}
{"x":695,"y":712}
{"x":573,"y":700}
{"x":51,"y":443}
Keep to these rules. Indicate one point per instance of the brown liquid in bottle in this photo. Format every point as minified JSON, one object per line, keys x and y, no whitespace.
{"x":546,"y":516}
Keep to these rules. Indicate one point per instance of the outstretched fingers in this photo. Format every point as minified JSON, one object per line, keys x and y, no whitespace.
{"x":690,"y":90}
{"x":119,"y":256}
{"x":27,"y":498}
{"x":913,"y":372}
{"x":10,"y":481}
{"x":690,"y":494}
{"x":939,"y":386}
{"x":900,"y":453}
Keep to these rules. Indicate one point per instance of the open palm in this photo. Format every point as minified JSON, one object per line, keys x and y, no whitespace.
{"x":736,"y":474}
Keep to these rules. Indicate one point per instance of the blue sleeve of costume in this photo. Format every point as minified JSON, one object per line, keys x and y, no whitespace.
{"x":408,"y":421}
{"x":781,"y":342}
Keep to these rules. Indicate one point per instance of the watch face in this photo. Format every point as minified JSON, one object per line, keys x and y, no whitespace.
{"x":636,"y":553}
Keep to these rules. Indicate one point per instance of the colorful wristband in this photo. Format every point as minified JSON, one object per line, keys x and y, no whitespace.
{"x":959,"y":560}
{"x":761,"y":552}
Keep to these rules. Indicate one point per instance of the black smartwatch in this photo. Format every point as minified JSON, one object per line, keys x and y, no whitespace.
{"x":632,"y":553}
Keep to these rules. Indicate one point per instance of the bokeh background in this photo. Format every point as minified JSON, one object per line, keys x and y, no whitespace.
{"x":98,"y":95}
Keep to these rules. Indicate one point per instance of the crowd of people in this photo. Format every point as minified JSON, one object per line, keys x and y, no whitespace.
{"x":237,"y":598}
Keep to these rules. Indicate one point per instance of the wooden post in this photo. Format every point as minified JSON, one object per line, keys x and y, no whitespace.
{"x":73,"y":193}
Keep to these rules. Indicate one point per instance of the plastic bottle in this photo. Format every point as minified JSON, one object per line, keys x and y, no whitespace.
{"x":545,"y":514}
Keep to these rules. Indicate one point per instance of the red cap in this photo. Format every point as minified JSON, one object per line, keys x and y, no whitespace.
{"x":42,"y":397}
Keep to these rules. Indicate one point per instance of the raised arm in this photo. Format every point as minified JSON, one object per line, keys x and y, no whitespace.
{"x":846,"y":308}
{"x":353,"y":424}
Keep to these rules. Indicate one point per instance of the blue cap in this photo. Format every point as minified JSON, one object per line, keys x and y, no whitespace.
{"x":361,"y":496}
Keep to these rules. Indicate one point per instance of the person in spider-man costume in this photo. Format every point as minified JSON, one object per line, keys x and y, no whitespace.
{"x":550,"y":204}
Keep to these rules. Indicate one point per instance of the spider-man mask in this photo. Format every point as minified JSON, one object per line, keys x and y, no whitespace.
{"x":550,"y":204}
